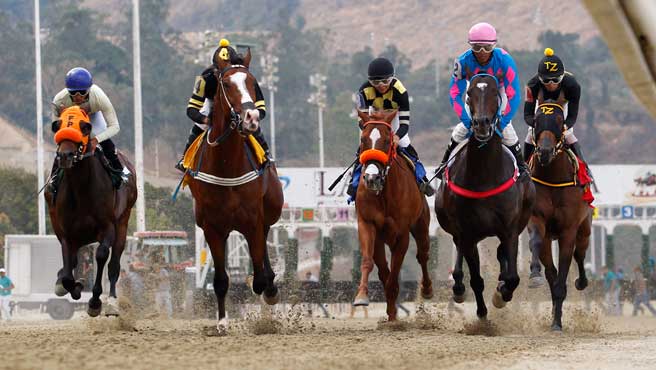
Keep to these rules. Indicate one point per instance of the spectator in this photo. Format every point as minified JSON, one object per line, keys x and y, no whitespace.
{"x":641,"y":295}
{"x":611,"y":292}
{"x":6,"y":287}
{"x":310,"y":277}
{"x":163,"y":292}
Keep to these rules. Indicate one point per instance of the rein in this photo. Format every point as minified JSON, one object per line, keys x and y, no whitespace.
{"x":548,"y":109}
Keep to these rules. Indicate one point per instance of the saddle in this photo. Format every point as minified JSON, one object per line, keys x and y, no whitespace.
{"x":190,"y":160}
{"x":581,"y":177}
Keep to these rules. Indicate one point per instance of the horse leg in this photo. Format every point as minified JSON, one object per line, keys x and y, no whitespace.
{"x":420,"y":233}
{"x":367,"y":236}
{"x":257,"y":248}
{"x":392,"y":283}
{"x":458,"y":275}
{"x":536,"y":232}
{"x":582,"y":242}
{"x":381,"y":260}
{"x":102,"y":254}
{"x":65,"y":278}
{"x":271,"y":295}
{"x":510,"y":277}
{"x":470,"y":252}
{"x":114,"y":267}
{"x":217,"y":243}
{"x":565,"y":251}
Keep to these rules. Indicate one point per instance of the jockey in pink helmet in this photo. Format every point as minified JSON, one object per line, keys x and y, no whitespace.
{"x":484,"y":58}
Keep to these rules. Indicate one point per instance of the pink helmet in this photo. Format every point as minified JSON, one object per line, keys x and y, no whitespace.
{"x":482,"y":33}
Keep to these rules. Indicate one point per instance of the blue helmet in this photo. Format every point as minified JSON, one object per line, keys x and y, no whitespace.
{"x":78,"y":79}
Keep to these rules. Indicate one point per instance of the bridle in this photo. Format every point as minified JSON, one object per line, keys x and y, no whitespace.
{"x":235,"y":118}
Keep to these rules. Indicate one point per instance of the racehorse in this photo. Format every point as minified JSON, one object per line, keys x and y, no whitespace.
{"x":230,"y":193}
{"x":560,"y":212}
{"x":481,"y":196}
{"x":87,"y":209}
{"x":389,"y":206}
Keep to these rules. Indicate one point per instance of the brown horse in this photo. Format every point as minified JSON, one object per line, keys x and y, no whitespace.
{"x":389,"y":207}
{"x":481,"y":197}
{"x":229,"y":192}
{"x":560,"y":213}
{"x":87,"y":209}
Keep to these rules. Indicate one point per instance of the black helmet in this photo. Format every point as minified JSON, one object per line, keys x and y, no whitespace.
{"x":380,"y":68}
{"x":550,"y":66}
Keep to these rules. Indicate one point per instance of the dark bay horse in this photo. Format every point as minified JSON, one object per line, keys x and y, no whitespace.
{"x":87,"y":209}
{"x":389,"y":207}
{"x":481,"y":197}
{"x":230,"y":193}
{"x":560,"y":212}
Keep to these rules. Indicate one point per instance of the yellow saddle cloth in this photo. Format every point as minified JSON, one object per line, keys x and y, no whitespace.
{"x":189,"y":161}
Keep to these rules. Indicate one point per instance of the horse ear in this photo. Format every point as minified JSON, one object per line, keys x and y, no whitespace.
{"x":247,"y":58}
{"x":363,"y":116}
{"x":85,"y":127}
{"x":56,"y":124}
{"x":389,"y":115}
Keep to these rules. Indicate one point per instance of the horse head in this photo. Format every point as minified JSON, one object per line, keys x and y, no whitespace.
{"x":72,"y":135}
{"x":548,"y":133}
{"x":235,"y":101}
{"x":484,"y":102}
{"x":376,"y":147}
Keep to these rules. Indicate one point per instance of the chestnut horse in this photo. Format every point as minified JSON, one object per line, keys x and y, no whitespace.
{"x":482,"y":197}
{"x":560,"y":213}
{"x":229,"y":192}
{"x":87,"y":209}
{"x":389,"y":207}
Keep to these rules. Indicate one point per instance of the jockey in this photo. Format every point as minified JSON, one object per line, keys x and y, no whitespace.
{"x":484,"y":57}
{"x":201,"y":101}
{"x":384,"y":91}
{"x":553,"y":84}
{"x":80,"y":90}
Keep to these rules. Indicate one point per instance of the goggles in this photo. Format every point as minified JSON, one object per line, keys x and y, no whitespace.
{"x":485,"y":48}
{"x":381,"y":81}
{"x":78,"y":93}
{"x":551,"y":80}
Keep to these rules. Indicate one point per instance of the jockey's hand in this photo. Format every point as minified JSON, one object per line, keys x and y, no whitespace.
{"x":396,"y":140}
{"x":93,"y":143}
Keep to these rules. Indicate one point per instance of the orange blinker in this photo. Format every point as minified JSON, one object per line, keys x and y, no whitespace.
{"x":72,"y":119}
{"x":374,"y":155}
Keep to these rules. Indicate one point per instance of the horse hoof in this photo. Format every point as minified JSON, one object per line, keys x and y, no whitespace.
{"x":581,"y":284}
{"x":497,"y":300}
{"x":459,"y":298}
{"x":271,"y":300}
{"x":426,"y":293}
{"x":222,"y":327}
{"x":361,"y":301}
{"x":111,"y":307}
{"x":76,"y":294}
{"x":60,"y":291}
{"x":94,"y":312}
{"x":556,"y":328}
{"x":535,"y":282}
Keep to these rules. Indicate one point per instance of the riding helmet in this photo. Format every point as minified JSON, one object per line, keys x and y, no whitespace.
{"x":78,"y":79}
{"x":550,"y":65}
{"x":380,"y":68}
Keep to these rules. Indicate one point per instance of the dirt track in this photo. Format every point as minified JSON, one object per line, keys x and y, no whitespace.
{"x":434,"y":338}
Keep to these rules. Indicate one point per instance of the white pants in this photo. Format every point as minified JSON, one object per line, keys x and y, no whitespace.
{"x":4,"y":307}
{"x":98,"y":123}
{"x":569,"y":136}
{"x":461,"y":132}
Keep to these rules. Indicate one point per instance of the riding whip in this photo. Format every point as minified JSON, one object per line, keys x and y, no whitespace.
{"x":338,"y":179}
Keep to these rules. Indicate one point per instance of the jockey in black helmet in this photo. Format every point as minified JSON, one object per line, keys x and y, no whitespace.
{"x":385,"y":91}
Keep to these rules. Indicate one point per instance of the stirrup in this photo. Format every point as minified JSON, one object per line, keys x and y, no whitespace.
{"x":180,"y":166}
{"x":427,"y":189}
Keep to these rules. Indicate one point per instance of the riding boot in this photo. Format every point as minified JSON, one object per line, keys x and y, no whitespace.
{"x":193,"y":134}
{"x":578,"y":151}
{"x":119,"y":175}
{"x":440,"y":169}
{"x":260,"y":139}
{"x":355,"y":179}
{"x":516,"y":150}
{"x":420,"y":172}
